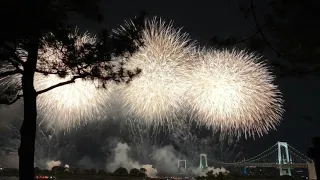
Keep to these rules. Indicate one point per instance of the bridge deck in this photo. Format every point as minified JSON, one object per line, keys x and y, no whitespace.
{"x":292,"y":165}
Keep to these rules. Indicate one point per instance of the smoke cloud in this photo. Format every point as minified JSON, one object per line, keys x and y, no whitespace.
{"x":203,"y":172}
{"x":51,"y":164}
{"x":164,"y":162}
{"x":158,"y":154}
{"x":86,"y":163}
{"x":121,"y":158}
{"x":9,"y":160}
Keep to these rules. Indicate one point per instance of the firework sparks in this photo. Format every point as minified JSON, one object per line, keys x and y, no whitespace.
{"x":47,"y":143}
{"x":229,"y":91}
{"x":156,"y":95}
{"x":63,"y":107}
{"x":225,"y":90}
{"x":233,"y":92}
{"x":77,"y":103}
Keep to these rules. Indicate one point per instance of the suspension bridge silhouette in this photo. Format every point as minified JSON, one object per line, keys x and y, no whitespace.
{"x":281,"y":155}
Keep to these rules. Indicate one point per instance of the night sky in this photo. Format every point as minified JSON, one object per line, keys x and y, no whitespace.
{"x":204,"y":19}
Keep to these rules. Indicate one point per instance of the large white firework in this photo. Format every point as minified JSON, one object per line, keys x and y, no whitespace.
{"x":73,"y":104}
{"x":156,"y":96}
{"x":233,"y":91}
{"x":68,"y":105}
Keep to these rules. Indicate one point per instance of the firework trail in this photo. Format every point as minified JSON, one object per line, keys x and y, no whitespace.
{"x":233,"y":92}
{"x":156,"y":95}
{"x":144,"y":140}
{"x":47,"y":144}
{"x":191,"y":141}
{"x":9,"y":139}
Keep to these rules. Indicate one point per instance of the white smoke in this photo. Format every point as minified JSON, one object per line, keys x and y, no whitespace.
{"x":51,"y":164}
{"x":86,"y":163}
{"x":9,"y":160}
{"x":166,"y":160}
{"x":12,"y":161}
{"x":122,"y":159}
{"x":150,"y":171}
{"x":203,"y":172}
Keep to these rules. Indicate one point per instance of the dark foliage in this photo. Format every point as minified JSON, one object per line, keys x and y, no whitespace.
{"x":121,"y":171}
{"x":134,"y":172}
{"x":57,"y":169}
{"x":289,"y":29}
{"x":143,"y":170}
{"x":137,"y":173}
{"x":32,"y":25}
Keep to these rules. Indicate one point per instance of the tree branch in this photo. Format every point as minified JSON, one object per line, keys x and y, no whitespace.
{"x":259,"y":29}
{"x":9,"y":73}
{"x":60,"y":84}
{"x":308,"y":118}
{"x":9,"y":102}
{"x":46,"y":72}
{"x":12,"y":52}
{"x":15,"y":64}
{"x":236,"y":42}
{"x":247,"y":38}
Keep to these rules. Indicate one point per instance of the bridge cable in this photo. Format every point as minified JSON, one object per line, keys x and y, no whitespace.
{"x":298,"y":156}
{"x":258,"y":154}
{"x":262,"y":156}
{"x":300,"y":153}
{"x":220,"y":162}
{"x":246,"y":159}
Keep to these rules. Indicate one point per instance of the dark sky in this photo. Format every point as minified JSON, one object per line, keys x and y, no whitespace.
{"x":206,"y":18}
{"x":202,"y":19}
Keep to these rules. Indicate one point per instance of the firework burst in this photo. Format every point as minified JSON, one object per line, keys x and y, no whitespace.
{"x":229,"y":91}
{"x":233,"y":92}
{"x":156,"y":96}
{"x":64,"y":106}
{"x":78,"y":103}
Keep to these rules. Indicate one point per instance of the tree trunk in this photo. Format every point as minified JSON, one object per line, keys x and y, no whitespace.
{"x":28,"y":128}
{"x":313,"y":153}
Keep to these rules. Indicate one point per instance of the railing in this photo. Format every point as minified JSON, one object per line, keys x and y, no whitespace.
{"x":295,"y":165}
{"x":285,"y":163}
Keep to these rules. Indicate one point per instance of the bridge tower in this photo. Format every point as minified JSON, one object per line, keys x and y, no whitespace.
{"x":284,"y":158}
{"x":203,"y":161}
{"x":183,"y":162}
